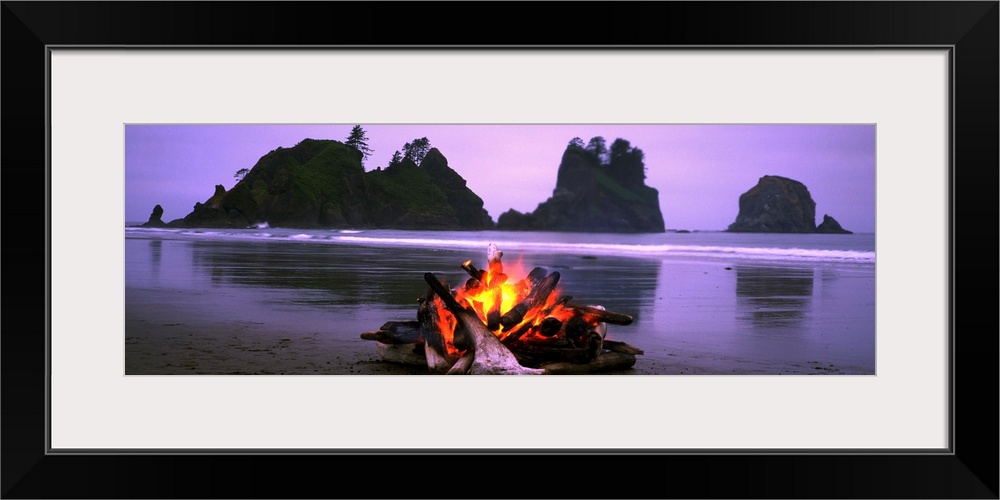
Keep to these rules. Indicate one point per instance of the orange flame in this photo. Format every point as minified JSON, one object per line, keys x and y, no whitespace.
{"x":495,"y":293}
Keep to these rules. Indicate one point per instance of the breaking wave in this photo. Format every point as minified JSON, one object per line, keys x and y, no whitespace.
{"x":707,"y":245}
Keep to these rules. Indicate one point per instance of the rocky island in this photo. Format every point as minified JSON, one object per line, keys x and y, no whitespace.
{"x":780,"y":205}
{"x":597,"y":190}
{"x":322,"y":184}
{"x":155,"y":218}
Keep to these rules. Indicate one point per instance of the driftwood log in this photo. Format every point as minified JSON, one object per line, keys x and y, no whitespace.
{"x":607,"y":361}
{"x":619,"y":356}
{"x":601,"y":315}
{"x":406,"y":354}
{"x":397,"y":332}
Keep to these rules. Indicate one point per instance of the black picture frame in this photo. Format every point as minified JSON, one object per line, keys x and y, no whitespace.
{"x":969,"y":28}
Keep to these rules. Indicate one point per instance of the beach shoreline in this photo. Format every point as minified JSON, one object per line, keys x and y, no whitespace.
{"x":237,"y":308}
{"x":162,"y":341}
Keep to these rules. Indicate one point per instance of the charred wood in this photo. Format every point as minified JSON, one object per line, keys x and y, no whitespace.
{"x":601,"y":315}
{"x":493,"y":317}
{"x":462,"y":340}
{"x":594,"y":344}
{"x":515,"y":335}
{"x":561,"y":302}
{"x":423,"y":311}
{"x":472,"y":285}
{"x":549,"y":326}
{"x":541,"y":351}
{"x":536,"y":298}
{"x":435,"y":350}
{"x":476,"y":273}
{"x":533,"y":278}
{"x":515,"y":315}
{"x":576,"y":329}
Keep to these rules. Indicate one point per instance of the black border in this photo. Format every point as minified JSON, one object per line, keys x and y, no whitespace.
{"x":971,"y":28}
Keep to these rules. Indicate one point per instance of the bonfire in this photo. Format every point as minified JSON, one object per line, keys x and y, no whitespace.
{"x":492,"y":325}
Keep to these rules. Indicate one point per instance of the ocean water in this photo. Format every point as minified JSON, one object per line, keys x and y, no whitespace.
{"x":714,"y":245}
{"x":703,"y":302}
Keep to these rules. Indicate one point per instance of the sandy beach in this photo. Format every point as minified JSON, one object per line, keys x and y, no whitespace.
{"x":210,"y":307}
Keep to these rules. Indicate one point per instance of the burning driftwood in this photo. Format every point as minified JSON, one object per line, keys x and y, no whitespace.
{"x":490,"y":326}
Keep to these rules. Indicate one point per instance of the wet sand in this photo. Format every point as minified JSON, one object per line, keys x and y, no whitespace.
{"x":195,"y":307}
{"x":174,"y":332}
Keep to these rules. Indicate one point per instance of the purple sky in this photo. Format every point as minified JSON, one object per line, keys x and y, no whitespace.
{"x":699,"y":170}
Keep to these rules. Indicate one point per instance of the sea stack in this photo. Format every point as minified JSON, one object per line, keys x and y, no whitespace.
{"x":597,"y":191}
{"x":155,"y":218}
{"x":831,"y":226}
{"x":321,"y":183}
{"x":780,"y":205}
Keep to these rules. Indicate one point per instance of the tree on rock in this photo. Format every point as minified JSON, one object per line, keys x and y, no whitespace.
{"x":626,"y":163}
{"x":359,"y":141}
{"x":241,"y":173}
{"x":396,"y":158}
{"x":416,"y":150}
{"x":598,"y":147}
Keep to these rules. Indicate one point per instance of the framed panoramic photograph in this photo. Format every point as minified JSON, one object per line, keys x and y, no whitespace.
{"x":281,"y":268}
{"x":722,"y":256}
{"x":636,"y":260}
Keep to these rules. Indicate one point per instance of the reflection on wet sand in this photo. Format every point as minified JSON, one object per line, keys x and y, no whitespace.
{"x":156,"y":252}
{"x":773,"y":297}
{"x":356,"y":275}
{"x":328,"y":274}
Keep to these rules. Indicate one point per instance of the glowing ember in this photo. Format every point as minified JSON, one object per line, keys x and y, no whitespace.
{"x":514,"y":311}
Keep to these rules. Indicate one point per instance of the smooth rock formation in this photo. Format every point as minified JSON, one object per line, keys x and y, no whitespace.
{"x":780,"y":205}
{"x":776,"y":205}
